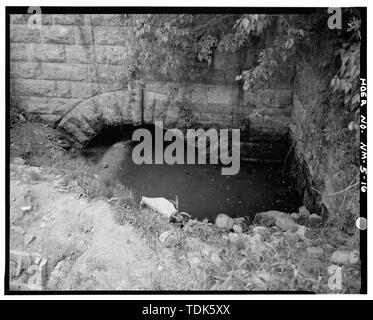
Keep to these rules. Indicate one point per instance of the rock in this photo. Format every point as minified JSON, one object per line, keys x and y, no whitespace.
{"x":28,"y":239}
{"x":163,"y":237}
{"x":335,"y":278}
{"x":35,"y":281}
{"x":19,"y":161}
{"x":81,"y":246}
{"x":24,"y":257}
{"x":26,"y":209}
{"x":354,"y":257}
{"x":315,"y":217}
{"x":303,"y":212}
{"x":301,"y":231}
{"x":345,"y":257}
{"x":37,"y":260}
{"x":256,"y":245}
{"x":18,"y":230}
{"x":315,"y":252}
{"x":193,"y":259}
{"x":12,"y":268}
{"x":295,"y":215}
{"x":269,"y":218}
{"x":224,"y":221}
{"x":286,"y":223}
{"x":259,"y":229}
{"x":32,"y":269}
{"x":159,"y":205}
{"x":314,"y":220}
{"x":180,"y":217}
{"x":237,"y":228}
{"x":291,"y":237}
{"x":215,"y":258}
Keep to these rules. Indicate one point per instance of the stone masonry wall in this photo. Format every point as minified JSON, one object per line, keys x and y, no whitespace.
{"x":74,"y":62}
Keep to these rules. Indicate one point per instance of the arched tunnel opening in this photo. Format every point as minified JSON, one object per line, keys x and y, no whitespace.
{"x":201,"y":189}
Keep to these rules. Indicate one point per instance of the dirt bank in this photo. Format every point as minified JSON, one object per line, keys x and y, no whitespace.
{"x":68,"y":232}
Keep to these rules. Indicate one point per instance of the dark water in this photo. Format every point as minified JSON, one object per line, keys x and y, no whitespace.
{"x":204,"y":192}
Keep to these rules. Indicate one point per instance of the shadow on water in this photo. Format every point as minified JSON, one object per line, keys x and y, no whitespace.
{"x":201,"y":189}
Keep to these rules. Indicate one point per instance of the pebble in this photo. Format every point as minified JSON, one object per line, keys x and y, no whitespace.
{"x":316,"y":217}
{"x":18,"y":230}
{"x":315,"y":252}
{"x":164,"y":235}
{"x":19,"y":161}
{"x":81,"y":246}
{"x":295,"y":215}
{"x":26,"y":209}
{"x":259,"y":229}
{"x":193,"y":260}
{"x":291,"y":237}
{"x":345,"y":257}
{"x":237,"y":228}
{"x":304,"y":212}
{"x":286,"y":223}
{"x":301,"y":231}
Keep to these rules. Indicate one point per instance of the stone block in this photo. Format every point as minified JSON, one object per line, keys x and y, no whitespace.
{"x":97,"y":20}
{"x":79,"y":54}
{"x":107,"y":73}
{"x":18,"y":52}
{"x":110,"y":54}
{"x":58,"y":34}
{"x":111,"y":35}
{"x":221,"y":95}
{"x":46,"y":19}
{"x":197,"y":94}
{"x":84,"y":90}
{"x":49,"y":71}
{"x":19,"y":18}
{"x":44,"y":105}
{"x":83,"y":35}
{"x":68,"y":19}
{"x":24,"y":34}
{"x":46,"y":52}
{"x":40,"y":88}
{"x":117,"y":20}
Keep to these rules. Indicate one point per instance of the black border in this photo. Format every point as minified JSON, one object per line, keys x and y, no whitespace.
{"x":164,"y":10}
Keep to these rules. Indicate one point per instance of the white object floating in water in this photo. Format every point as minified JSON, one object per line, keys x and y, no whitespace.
{"x":159,"y":205}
